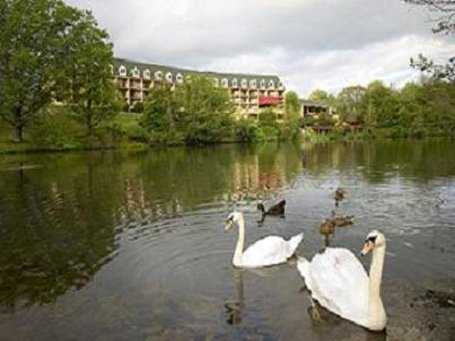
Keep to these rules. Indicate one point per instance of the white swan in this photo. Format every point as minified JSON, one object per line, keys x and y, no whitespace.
{"x":338,"y":281}
{"x":270,"y":250}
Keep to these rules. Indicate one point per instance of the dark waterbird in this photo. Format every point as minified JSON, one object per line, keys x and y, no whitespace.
{"x":276,"y":210}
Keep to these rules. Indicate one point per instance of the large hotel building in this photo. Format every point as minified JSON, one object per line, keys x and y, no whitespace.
{"x":248,"y":92}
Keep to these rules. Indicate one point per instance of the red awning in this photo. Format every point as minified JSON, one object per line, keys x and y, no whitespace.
{"x":269,"y":100}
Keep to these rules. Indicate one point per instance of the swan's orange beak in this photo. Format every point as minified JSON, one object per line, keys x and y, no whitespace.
{"x":367,"y":247}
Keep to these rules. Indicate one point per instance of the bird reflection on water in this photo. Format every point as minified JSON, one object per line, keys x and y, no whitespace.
{"x":234,"y":308}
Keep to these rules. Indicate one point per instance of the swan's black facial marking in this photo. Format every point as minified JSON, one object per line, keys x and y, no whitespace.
{"x":371,"y":239}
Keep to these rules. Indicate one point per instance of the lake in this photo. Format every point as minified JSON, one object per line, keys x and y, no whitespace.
{"x":116,"y":245}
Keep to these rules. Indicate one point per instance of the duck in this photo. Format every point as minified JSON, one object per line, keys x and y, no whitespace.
{"x":339,"y":195}
{"x":341,"y":221}
{"x":339,"y":283}
{"x":327,"y":227}
{"x":268,"y":251}
{"x":276,"y":210}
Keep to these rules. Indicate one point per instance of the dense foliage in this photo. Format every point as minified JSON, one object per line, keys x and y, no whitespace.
{"x":195,"y":112}
{"x":198,"y":112}
{"x":50,"y":51}
{"x":416,"y":110}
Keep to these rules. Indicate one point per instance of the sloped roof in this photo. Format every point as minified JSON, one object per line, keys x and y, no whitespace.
{"x":130,"y":65}
{"x":313,"y":103}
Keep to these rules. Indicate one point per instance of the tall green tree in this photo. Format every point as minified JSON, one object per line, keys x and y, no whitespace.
{"x":90,"y":90}
{"x":292,"y":108}
{"x":381,"y":105}
{"x":195,"y":112}
{"x":32,"y":52}
{"x":291,"y":104}
{"x":351,"y":104}
{"x":205,"y":110}
{"x":161,"y":113}
{"x":322,"y":96}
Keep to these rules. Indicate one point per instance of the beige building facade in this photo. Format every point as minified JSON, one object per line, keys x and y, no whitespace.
{"x":250,"y":93}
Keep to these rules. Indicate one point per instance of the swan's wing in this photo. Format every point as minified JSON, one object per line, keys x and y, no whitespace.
{"x":339,"y":282}
{"x":270,"y":250}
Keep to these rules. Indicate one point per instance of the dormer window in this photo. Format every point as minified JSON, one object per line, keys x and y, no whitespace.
{"x":253,"y":83}
{"x":122,"y":71}
{"x":147,"y":74}
{"x":262,"y":83}
{"x":135,"y":72}
{"x":169,"y":77}
{"x":271,"y":84}
{"x":225,"y":83}
{"x":158,"y":75}
{"x":235,"y":83}
{"x":179,"y":78}
{"x":244,"y":83}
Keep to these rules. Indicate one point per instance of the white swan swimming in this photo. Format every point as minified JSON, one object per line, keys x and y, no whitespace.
{"x":270,"y":250}
{"x":338,"y":281}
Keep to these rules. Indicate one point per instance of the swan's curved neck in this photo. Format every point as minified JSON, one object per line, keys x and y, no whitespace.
{"x":237,"y":260}
{"x":375,"y":308}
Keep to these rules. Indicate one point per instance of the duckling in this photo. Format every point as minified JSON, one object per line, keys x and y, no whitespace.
{"x":277,"y":209}
{"x":327,"y":227}
{"x":339,"y":195}
{"x":342,"y":221}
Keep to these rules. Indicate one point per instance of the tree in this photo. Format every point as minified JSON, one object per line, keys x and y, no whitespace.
{"x":351,"y":104}
{"x":205,"y":113}
{"x":32,"y":53}
{"x":445,"y":24}
{"x":381,"y":105}
{"x":445,"y":13}
{"x":160,"y":113}
{"x":322,"y":96}
{"x":291,"y":104}
{"x":90,"y":90}
{"x":195,"y":112}
{"x":292,"y":109}
{"x":435,"y":71}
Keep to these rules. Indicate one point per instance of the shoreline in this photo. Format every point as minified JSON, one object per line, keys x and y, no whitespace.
{"x":25,"y":148}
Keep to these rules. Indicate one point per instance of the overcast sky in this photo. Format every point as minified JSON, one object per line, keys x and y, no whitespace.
{"x":310,"y":44}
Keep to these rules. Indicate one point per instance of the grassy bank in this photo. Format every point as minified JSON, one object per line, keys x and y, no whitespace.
{"x":371,"y":134}
{"x":60,"y":132}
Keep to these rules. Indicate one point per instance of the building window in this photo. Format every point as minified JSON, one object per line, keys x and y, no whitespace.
{"x":135,"y":72}
{"x":244,"y":83}
{"x":262,"y":83}
{"x":179,"y":78}
{"x":158,"y":75}
{"x":169,"y":77}
{"x":271,"y":84}
{"x":253,"y":83}
{"x":122,"y":71}
{"x":147,"y":74}
{"x":225,"y":83}
{"x":235,"y":83}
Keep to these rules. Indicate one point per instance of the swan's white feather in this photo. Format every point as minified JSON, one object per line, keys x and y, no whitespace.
{"x":270,"y":250}
{"x":338,"y":281}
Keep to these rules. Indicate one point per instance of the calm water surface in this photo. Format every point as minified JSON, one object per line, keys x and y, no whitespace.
{"x":130,"y":246}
